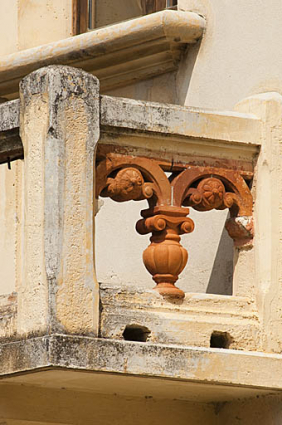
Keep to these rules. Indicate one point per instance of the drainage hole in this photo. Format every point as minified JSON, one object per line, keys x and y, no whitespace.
{"x":220,"y":340}
{"x":136,"y":333}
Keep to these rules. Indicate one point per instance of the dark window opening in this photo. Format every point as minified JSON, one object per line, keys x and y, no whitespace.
{"x":91,"y":14}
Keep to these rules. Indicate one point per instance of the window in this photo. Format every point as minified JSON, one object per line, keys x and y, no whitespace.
{"x":91,"y":14}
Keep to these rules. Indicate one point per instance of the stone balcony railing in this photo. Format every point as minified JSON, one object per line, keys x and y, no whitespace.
{"x":76,"y":145}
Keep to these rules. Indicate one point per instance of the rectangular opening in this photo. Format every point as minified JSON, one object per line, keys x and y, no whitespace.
{"x":91,"y":14}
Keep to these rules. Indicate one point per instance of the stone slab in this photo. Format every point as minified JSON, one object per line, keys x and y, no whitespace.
{"x":257,"y":372}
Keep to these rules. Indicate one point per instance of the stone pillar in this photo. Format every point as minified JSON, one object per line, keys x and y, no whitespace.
{"x":59,"y":129}
{"x":267,"y":269}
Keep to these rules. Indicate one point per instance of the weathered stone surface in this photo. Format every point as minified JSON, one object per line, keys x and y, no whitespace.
{"x":11,"y":147}
{"x":190,"y":322}
{"x":267,"y":187}
{"x":9,"y":115}
{"x":59,"y":130}
{"x":8,"y":316}
{"x":214,"y":366}
{"x":170,"y":120}
{"x":25,"y":355}
{"x":152,"y":118}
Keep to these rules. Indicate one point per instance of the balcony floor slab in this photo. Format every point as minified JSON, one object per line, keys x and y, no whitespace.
{"x":141,"y":369}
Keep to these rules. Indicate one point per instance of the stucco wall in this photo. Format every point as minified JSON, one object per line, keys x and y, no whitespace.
{"x":29,"y":23}
{"x":10,"y":218}
{"x":24,"y":24}
{"x":239,"y":55}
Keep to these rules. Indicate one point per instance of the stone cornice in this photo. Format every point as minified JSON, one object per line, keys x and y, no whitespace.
{"x":117,"y":54}
{"x":223,"y":372}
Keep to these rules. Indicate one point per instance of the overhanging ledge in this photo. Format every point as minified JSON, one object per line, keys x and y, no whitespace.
{"x":117,"y":54}
{"x":240,"y":373}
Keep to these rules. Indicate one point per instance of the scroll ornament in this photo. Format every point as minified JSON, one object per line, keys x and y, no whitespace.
{"x":129,"y":178}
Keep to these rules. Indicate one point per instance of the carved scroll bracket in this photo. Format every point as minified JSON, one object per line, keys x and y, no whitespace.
{"x":207,"y":188}
{"x":124,"y":178}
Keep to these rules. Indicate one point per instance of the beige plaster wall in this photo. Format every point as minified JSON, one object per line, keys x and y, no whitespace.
{"x":7,"y":248}
{"x":158,"y":89}
{"x":29,"y":23}
{"x":10,"y":218}
{"x":24,"y":24}
{"x":43,"y":21}
{"x":239,"y":56}
{"x":9,"y":26}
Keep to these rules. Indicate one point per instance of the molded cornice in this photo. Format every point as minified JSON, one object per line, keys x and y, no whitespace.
{"x":118,"y":54}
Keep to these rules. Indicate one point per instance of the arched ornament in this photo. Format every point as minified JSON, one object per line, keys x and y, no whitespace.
{"x":124,"y":178}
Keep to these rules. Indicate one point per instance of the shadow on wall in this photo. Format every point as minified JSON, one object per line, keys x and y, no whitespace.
{"x":221,"y":278}
{"x":119,"y":250}
{"x":185,"y":72}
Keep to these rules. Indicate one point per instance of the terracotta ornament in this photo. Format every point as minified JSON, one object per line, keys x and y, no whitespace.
{"x":124,"y":178}
{"x":165,"y":258}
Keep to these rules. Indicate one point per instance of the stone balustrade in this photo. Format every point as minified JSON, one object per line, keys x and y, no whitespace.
{"x":77,"y":145}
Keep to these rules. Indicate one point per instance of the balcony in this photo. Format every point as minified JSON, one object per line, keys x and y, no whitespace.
{"x":76,"y":144}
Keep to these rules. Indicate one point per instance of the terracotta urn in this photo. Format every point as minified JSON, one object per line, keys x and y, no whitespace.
{"x":165,"y":258}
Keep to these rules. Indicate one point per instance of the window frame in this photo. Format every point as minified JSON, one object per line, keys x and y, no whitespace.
{"x":81,"y":12}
